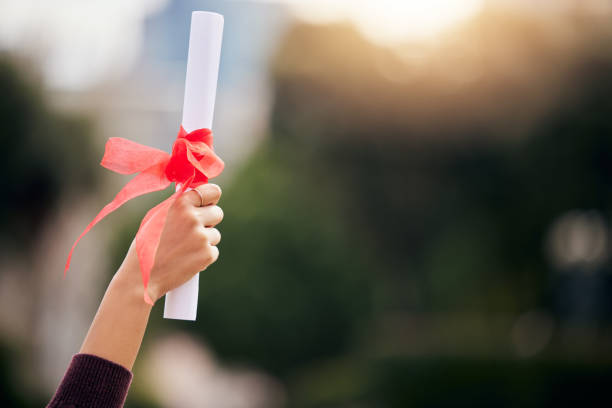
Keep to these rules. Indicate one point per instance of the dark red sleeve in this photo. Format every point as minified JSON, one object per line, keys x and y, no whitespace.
{"x":93,"y":382}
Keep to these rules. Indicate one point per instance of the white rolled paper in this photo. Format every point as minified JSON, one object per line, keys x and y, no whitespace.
{"x":198,"y":107}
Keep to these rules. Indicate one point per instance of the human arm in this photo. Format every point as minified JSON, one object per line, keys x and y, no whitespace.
{"x":187,"y":246}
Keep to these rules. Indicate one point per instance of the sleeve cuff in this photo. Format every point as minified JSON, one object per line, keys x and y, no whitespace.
{"x":92,"y":381}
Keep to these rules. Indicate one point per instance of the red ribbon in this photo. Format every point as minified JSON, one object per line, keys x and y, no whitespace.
{"x":191,"y":164}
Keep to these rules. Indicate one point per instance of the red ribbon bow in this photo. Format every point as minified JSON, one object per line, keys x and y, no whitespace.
{"x":191,"y":164}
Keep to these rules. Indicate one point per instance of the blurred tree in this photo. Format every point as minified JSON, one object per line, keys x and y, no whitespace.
{"x":292,"y":286}
{"x":451,"y":162}
{"x":469,"y":152}
{"x":46,"y":154}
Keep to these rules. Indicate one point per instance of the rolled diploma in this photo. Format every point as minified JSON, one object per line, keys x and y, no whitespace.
{"x":198,"y":107}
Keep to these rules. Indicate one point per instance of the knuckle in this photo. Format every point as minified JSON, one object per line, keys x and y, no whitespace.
{"x":217,"y":190}
{"x":191,"y":218}
{"x":214,"y":236}
{"x":208,"y":257}
{"x":182,"y":201}
{"x":214,"y":190}
{"x":218,"y":212}
{"x":215,"y":254}
{"x":182,"y":209}
{"x":202,"y":237}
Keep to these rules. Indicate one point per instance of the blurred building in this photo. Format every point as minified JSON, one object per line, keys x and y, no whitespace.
{"x":146,"y":104}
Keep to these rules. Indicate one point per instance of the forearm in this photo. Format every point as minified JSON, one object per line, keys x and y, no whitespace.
{"x":100,"y":375}
{"x":119,"y":325}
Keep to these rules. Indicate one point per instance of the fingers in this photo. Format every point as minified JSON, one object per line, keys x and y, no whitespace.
{"x":206,"y":194}
{"x":210,"y":254}
{"x":213,"y":236}
{"x":210,"y":215}
{"x":214,"y":254}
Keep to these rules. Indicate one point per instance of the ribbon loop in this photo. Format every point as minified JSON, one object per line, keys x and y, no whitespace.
{"x":126,"y":157}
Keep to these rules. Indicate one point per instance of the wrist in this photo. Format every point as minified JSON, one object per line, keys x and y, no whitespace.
{"x":128,"y":283}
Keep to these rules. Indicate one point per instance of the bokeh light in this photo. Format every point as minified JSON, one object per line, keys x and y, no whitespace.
{"x":392,"y":21}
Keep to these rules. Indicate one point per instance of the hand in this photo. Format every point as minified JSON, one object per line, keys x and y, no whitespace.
{"x":188,"y":241}
{"x":187,"y":246}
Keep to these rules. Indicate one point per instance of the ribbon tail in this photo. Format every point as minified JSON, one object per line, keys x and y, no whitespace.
{"x":152,"y":179}
{"x":147,"y":240}
{"x":149,"y":235}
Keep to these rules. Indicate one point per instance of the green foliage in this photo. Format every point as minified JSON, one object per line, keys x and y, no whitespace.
{"x":457,"y":381}
{"x":454,"y":186}
{"x":291,"y":285}
{"x":477,"y":382}
{"x":464,"y":181}
{"x":45,"y":154}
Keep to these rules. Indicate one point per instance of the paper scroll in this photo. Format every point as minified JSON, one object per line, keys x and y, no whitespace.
{"x":198,"y":108}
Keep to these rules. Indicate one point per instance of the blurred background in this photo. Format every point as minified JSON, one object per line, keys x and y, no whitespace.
{"x":417,"y":198}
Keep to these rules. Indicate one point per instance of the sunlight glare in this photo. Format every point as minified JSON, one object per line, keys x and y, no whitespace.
{"x":391,"y":21}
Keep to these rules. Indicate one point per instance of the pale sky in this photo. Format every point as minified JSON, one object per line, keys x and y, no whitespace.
{"x":80,"y":42}
{"x":77,"y":42}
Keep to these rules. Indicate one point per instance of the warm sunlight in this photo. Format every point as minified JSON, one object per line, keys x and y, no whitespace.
{"x":391,"y":21}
